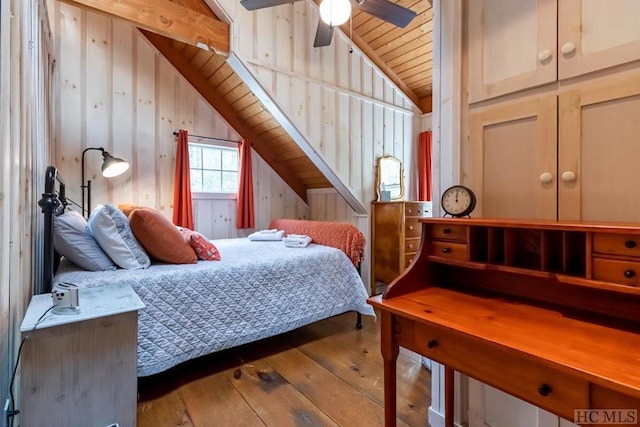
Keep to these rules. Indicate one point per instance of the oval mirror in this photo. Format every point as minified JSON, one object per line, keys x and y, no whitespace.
{"x":389,"y":179}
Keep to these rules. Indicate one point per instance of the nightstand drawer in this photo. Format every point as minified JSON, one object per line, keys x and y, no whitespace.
{"x":417,"y":209}
{"x":616,"y":244}
{"x":449,"y":232}
{"x":611,"y":270}
{"x":497,"y":366}
{"x":412,"y":228}
{"x":450,"y":250}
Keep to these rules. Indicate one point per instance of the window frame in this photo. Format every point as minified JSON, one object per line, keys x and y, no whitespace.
{"x":205,"y":195}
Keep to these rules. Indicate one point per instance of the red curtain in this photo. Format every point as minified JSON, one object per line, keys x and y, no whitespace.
{"x":244,"y":215}
{"x":424,"y":166}
{"x":182,"y":205}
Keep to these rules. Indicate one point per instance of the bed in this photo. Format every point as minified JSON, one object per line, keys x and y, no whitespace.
{"x":257,"y":290}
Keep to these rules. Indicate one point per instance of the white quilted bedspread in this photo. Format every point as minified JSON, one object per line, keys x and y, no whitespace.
{"x":257,"y":290}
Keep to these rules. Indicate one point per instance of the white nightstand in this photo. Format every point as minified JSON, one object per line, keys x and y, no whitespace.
{"x":80,"y":369}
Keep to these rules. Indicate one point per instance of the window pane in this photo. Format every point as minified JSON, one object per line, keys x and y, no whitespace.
{"x":211,"y":181}
{"x":211,"y":158}
{"x":195,"y":157}
{"x":230,"y":160}
{"x":196,"y":180}
{"x":229,"y":182}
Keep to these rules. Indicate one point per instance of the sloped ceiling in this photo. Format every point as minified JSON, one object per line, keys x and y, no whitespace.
{"x":196,"y":42}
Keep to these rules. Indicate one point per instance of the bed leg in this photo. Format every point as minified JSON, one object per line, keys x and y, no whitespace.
{"x":359,"y":320}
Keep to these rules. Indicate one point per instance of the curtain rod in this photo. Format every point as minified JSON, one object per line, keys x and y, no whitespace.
{"x":210,"y":138}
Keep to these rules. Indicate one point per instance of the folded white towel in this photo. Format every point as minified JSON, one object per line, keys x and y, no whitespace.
{"x":260,"y":236}
{"x":272,"y":231}
{"x":296,"y":241}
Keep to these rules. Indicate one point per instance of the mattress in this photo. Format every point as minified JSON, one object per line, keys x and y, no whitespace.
{"x":257,"y":290}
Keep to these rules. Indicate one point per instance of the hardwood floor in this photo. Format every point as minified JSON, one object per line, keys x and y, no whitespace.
{"x":325,"y":374}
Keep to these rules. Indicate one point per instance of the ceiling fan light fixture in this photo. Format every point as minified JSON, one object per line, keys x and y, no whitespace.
{"x":335,"y":12}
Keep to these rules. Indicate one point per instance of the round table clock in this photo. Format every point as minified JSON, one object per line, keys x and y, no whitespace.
{"x":458,"y":201}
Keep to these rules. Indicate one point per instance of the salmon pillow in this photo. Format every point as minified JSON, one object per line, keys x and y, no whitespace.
{"x":201,"y":245}
{"x":160,"y":238}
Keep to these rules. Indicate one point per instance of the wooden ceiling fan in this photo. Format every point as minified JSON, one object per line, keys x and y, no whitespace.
{"x":384,"y":9}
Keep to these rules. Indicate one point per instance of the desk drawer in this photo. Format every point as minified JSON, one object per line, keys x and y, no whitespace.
{"x":499,"y":367}
{"x":616,"y":244}
{"x":450,"y":250}
{"x":449,"y":232}
{"x":611,"y":270}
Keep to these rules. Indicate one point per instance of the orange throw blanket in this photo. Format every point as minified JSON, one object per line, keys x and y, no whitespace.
{"x":339,"y":235}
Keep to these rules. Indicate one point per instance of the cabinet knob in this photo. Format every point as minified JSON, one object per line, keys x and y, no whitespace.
{"x":544,"y":55}
{"x":568,"y":48}
{"x":546,"y":177}
{"x":544,"y":390}
{"x":432,"y":343}
{"x":630,"y":244}
{"x":446,"y":250}
{"x":568,"y":176}
{"x":410,"y":227}
{"x":629,"y":274}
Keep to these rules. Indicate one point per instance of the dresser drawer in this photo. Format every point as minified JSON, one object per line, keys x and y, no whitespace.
{"x":408,"y":258}
{"x":450,"y":250}
{"x":417,"y":209}
{"x":497,"y":366}
{"x":411,"y":245}
{"x":616,"y":244}
{"x":449,"y":232}
{"x":412,"y":228}
{"x":611,"y":270}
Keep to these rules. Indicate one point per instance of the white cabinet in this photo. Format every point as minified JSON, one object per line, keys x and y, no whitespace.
{"x":521,"y":44}
{"x":80,"y":369}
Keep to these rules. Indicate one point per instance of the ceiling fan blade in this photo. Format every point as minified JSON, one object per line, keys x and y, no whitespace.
{"x":386,"y":10}
{"x":260,"y":4}
{"x":324,"y":33}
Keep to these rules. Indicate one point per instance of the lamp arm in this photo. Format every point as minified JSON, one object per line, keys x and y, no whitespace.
{"x":88,"y":185}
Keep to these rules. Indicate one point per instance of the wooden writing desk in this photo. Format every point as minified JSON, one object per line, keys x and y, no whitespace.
{"x":548,"y":312}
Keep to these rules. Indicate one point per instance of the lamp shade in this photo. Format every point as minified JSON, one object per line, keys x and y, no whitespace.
{"x":113,"y":166}
{"x":335,"y":12}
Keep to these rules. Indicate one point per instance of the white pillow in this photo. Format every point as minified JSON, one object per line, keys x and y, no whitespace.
{"x":110,"y":227}
{"x":72,"y":240}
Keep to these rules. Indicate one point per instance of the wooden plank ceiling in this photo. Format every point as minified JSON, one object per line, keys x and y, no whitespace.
{"x":196,"y":42}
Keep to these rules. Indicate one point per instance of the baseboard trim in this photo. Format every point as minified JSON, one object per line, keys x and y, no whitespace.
{"x":436,"y":419}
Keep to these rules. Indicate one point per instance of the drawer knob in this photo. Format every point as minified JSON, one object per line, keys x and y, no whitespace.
{"x":545,"y":390}
{"x":630,"y":244}
{"x":411,"y":227}
{"x":629,"y":274}
{"x":432,"y":343}
{"x":446,"y":250}
{"x":446,"y":231}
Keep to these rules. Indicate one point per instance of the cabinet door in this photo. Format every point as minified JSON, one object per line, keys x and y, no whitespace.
{"x":512,"y":46}
{"x":513,"y":156}
{"x":599,"y":151}
{"x":593,"y":35}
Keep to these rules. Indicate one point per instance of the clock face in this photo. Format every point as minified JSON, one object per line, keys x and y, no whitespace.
{"x":458,"y":201}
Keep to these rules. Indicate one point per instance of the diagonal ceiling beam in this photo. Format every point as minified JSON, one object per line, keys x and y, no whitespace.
{"x":167,"y":19}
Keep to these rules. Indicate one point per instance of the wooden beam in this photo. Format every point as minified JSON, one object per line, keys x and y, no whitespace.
{"x":218,"y":102}
{"x":168,"y":19}
{"x":426,"y":104}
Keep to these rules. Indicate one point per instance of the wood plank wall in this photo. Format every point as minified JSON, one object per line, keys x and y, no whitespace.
{"x":116,"y":91}
{"x":346,"y":108}
{"x":24,"y":133}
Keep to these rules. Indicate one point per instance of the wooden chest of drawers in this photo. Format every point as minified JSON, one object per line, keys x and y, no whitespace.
{"x":395,"y":237}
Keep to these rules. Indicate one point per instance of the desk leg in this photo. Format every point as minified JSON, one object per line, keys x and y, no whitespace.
{"x":448,"y":396}
{"x":389,"y":348}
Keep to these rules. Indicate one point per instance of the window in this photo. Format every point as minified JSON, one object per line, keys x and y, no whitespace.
{"x":214,"y":169}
